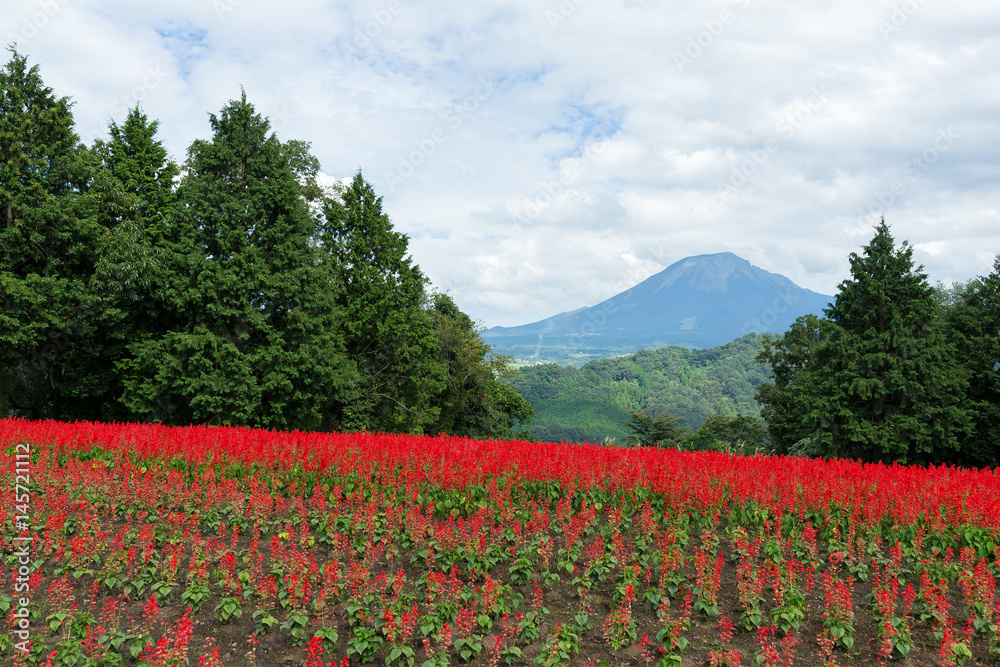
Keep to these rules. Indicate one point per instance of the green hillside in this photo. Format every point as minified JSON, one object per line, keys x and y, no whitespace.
{"x":589,"y":404}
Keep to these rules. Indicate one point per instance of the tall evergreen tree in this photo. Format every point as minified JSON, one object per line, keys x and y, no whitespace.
{"x":386,"y":330}
{"x":974,"y":325}
{"x":139,"y":163}
{"x":47,"y":248}
{"x":791,"y":357}
{"x":882,"y":385}
{"x":130,"y":197}
{"x":255,"y":334}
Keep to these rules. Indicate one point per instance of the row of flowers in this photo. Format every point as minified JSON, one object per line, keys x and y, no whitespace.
{"x":872,"y":492}
{"x":147,"y":549}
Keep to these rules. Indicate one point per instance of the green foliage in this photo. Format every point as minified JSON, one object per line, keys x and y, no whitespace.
{"x":469,"y":647}
{"x":364,"y":643}
{"x":140,"y":165}
{"x":264,"y":622}
{"x":386,"y":331}
{"x":477,"y":400}
{"x":297,"y":625}
{"x":591,"y":404}
{"x":252,"y":336}
{"x":973,"y":324}
{"x":228,"y":609}
{"x":48,"y":249}
{"x":131,"y":195}
{"x":790,"y":358}
{"x":649,"y":431}
{"x":740,"y":434}
{"x":560,"y":647}
{"x":876,"y":380}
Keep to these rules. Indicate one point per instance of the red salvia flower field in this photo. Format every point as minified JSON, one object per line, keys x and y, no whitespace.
{"x":138,"y":544}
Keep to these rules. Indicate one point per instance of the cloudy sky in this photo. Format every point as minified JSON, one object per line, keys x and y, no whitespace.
{"x":543,"y":155}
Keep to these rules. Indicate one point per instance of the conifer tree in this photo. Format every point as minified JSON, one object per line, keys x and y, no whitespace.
{"x":974,"y":325}
{"x":130,"y":197}
{"x":47,"y":248}
{"x":659,"y":431}
{"x":883,"y":385}
{"x":138,"y":161}
{"x":254,"y":334}
{"x":791,"y":357}
{"x":387,"y":332}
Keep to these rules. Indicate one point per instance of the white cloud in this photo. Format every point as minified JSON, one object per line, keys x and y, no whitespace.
{"x":589,"y":119}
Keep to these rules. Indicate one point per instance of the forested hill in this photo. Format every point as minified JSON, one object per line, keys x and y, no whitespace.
{"x":589,"y":404}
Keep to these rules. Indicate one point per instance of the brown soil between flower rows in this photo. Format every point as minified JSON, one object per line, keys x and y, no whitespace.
{"x":562,"y":601}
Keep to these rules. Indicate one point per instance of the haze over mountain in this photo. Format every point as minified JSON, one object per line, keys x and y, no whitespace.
{"x":701,"y":302}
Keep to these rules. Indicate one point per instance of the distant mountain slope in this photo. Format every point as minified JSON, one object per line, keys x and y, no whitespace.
{"x":589,"y":404}
{"x":700,"y":302}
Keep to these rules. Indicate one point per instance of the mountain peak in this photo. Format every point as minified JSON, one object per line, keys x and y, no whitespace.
{"x":712,"y":273}
{"x":705,"y":272}
{"x":700,"y":301}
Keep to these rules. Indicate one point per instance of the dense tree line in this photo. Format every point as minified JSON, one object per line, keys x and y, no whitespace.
{"x":897,"y":370}
{"x":232,"y":289}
